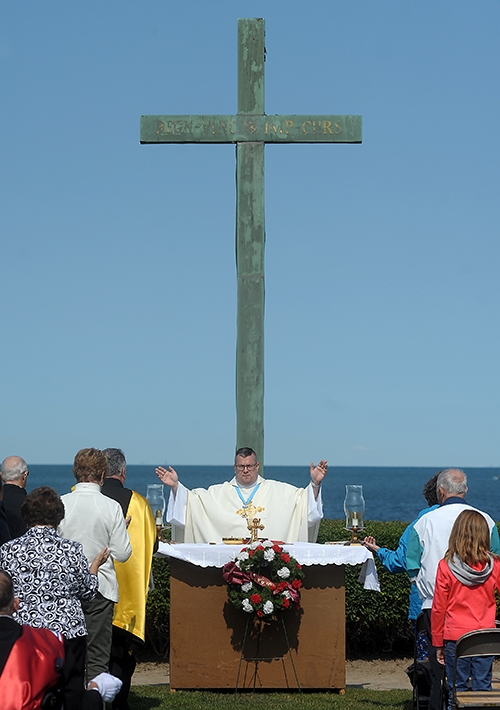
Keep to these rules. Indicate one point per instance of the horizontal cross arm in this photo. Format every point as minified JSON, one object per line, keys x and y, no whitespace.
{"x":251,"y":128}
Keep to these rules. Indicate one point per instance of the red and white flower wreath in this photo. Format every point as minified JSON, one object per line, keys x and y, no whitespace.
{"x":263,"y":579}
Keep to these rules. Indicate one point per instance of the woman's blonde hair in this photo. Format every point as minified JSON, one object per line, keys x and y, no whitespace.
{"x":470,"y":539}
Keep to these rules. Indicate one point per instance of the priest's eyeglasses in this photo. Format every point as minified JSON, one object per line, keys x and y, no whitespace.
{"x":243,"y":466}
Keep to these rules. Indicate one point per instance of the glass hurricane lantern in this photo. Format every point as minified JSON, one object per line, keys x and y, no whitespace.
{"x":156,"y":500}
{"x":354,"y":508}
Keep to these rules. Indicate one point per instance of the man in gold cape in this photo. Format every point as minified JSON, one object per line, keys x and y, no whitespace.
{"x":133,"y":576}
{"x":288,"y":514}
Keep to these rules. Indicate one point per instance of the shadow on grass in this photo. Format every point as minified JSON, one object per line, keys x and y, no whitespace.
{"x":161,"y":698}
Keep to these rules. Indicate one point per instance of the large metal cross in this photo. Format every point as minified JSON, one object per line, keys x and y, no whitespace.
{"x":250,"y":129}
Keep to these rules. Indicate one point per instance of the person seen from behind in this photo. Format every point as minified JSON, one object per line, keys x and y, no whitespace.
{"x":395,"y":560}
{"x":464,"y":599}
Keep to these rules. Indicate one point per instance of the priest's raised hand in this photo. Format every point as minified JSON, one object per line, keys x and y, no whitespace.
{"x":318,"y":473}
{"x":169,"y":477}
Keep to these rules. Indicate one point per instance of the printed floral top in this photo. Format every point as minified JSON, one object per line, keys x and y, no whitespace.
{"x":51,"y":575}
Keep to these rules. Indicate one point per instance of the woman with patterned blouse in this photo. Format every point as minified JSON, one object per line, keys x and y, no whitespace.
{"x":51,"y":576}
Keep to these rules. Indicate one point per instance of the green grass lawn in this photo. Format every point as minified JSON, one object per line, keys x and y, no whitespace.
{"x":144,"y":697}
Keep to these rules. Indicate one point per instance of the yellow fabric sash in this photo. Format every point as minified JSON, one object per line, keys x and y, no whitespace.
{"x":133,"y":575}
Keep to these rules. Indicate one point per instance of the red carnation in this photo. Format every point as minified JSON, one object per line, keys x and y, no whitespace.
{"x":285,"y":557}
{"x":298,"y":566}
{"x":259,"y":549}
{"x":296,"y":584}
{"x":259,"y":613}
{"x":256,"y":599}
{"x":286,"y":602}
{"x":282,"y":586}
{"x":251,"y":553}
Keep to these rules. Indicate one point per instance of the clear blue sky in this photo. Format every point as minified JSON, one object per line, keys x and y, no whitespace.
{"x":118,"y":288}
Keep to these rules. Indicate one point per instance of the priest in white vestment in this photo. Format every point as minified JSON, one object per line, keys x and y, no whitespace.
{"x":288,"y":514}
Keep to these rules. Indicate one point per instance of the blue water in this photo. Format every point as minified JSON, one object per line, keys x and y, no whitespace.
{"x":390,"y":493}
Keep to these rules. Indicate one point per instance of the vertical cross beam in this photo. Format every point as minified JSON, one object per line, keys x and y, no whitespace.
{"x":250,"y":240}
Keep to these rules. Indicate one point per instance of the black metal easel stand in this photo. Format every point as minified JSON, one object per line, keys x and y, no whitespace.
{"x":258,"y":658}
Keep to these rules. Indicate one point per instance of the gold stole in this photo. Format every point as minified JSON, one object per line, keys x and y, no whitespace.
{"x":133,"y":575}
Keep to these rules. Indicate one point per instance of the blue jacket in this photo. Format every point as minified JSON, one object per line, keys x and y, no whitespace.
{"x":395,"y":561}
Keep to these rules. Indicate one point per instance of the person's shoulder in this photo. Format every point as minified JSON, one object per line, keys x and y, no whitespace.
{"x":427,"y":517}
{"x":10,"y":490}
{"x":217,"y":486}
{"x":443,"y":569}
{"x":488,"y":517}
{"x":425,"y":511}
{"x":6,"y":548}
{"x":137,"y":496}
{"x":280,"y":485}
{"x":8,"y":621}
{"x":109,"y":503}
{"x":468,"y":506}
{"x":68,"y":544}
{"x":53,"y":638}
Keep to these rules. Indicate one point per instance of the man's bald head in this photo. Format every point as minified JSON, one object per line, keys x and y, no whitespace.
{"x":452,"y":482}
{"x":14,"y":470}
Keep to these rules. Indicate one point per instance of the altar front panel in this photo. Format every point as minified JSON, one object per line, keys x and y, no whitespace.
{"x":207,"y":631}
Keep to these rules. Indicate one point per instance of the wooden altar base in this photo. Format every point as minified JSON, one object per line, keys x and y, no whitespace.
{"x":206,"y":634}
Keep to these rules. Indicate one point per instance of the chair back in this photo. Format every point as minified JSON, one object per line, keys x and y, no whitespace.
{"x":485,"y":642}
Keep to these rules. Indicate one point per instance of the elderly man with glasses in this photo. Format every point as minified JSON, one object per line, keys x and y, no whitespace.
{"x":288,"y":514}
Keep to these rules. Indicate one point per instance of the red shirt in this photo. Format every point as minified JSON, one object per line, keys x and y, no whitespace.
{"x":31,"y":669}
{"x":458,"y":609}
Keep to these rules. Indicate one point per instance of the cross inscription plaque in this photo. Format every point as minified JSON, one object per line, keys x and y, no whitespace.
{"x":250,"y":130}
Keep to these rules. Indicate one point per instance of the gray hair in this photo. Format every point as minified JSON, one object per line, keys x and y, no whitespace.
{"x":453,"y":481}
{"x":116,"y":461}
{"x":13,"y":467}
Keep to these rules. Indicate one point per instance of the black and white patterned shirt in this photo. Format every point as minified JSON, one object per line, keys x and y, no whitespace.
{"x":51,"y":575}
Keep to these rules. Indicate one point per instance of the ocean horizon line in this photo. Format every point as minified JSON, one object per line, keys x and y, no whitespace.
{"x":294,"y":465}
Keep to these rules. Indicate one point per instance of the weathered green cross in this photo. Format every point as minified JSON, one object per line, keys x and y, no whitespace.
{"x":250,"y":129}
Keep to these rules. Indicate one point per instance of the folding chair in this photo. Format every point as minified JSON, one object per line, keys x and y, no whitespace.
{"x":485,"y":642}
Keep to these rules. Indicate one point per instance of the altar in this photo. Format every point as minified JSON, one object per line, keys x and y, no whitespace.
{"x":207,"y":632}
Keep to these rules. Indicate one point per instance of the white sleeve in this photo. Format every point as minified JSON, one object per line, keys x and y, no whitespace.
{"x":314,"y":507}
{"x":176,"y":510}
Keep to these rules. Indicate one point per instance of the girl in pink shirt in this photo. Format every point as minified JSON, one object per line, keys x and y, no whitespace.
{"x":464,"y":598}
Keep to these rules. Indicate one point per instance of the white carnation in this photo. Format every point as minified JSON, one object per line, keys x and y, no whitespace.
{"x":287,"y":594}
{"x":268,"y":607}
{"x":246,"y":587}
{"x":242,"y":557}
{"x":246,"y":606}
{"x":269,"y":555}
{"x":284,"y":573}
{"x":267,"y":543}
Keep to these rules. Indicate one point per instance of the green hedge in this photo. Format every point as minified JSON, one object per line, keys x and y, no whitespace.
{"x":158,"y":609}
{"x":375,"y":621}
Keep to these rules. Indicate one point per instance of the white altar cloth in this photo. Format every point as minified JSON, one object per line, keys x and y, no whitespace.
{"x":306,"y":553}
